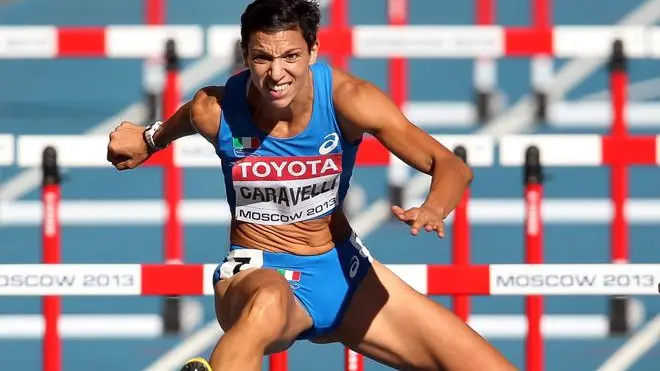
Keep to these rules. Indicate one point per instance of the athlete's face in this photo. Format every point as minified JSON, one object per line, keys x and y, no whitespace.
{"x":279,"y":63}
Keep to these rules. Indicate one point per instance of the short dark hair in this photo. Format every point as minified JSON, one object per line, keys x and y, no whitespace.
{"x":281,"y":15}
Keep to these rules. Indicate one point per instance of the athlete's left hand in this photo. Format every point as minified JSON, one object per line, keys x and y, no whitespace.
{"x":421,"y":217}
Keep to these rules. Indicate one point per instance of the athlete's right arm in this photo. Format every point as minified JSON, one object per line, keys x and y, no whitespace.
{"x":127,"y":148}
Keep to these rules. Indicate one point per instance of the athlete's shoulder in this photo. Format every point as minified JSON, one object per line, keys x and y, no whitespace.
{"x":361,"y":104}
{"x":206,"y":109}
{"x":208,"y":99}
{"x":352,"y":94}
{"x":349,"y":89}
{"x":215,"y":91}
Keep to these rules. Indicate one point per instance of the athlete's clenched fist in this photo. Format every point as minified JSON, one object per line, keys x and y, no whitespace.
{"x":127,"y":148}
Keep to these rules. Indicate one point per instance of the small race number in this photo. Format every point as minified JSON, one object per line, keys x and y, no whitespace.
{"x":241,"y":262}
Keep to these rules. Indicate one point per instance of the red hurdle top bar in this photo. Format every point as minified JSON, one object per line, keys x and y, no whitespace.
{"x":130,"y":41}
{"x":411,"y":41}
{"x":556,"y":150}
{"x":195,"y":279}
{"x":431,"y":41}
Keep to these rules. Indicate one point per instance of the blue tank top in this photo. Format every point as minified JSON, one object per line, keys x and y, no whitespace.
{"x":272,"y":180}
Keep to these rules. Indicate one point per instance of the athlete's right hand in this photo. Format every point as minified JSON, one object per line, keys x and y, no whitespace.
{"x":126,"y":148}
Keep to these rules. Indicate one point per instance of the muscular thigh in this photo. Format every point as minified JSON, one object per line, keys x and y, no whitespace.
{"x":233,"y":296}
{"x":389,"y":321}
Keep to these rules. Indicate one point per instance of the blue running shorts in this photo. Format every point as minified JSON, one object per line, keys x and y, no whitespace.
{"x":324,"y":284}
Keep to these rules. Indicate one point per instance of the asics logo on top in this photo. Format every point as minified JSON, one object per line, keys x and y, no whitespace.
{"x":331,"y":142}
{"x":355,"y":264}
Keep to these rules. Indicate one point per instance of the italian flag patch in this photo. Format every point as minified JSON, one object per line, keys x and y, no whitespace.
{"x":245,"y":142}
{"x":290,"y":275}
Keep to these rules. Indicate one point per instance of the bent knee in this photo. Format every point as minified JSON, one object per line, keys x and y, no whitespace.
{"x":268,"y":308}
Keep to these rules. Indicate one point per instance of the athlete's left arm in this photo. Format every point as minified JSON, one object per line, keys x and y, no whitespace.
{"x":363,"y":108}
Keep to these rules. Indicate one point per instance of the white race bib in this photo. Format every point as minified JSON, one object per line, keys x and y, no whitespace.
{"x":284,"y":190}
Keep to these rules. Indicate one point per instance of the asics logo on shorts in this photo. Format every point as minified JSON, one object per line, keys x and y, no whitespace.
{"x":359,"y":246}
{"x":332,"y":140}
{"x":355,"y":265}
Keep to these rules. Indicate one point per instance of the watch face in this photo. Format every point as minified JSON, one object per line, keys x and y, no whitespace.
{"x":149,"y":136}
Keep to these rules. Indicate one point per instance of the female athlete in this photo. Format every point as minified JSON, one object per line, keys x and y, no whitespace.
{"x":287,"y":130}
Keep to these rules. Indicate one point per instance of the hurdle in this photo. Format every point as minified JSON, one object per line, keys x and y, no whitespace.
{"x":618,"y":150}
{"x":455,"y":280}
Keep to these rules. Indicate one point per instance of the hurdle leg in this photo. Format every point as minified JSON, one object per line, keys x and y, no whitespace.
{"x":353,"y":361}
{"x":619,"y":183}
{"x":461,"y":242}
{"x":278,"y":362}
{"x":51,"y":235}
{"x":533,"y":255}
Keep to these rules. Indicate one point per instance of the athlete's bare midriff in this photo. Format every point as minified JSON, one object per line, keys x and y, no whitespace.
{"x":310,"y":237}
